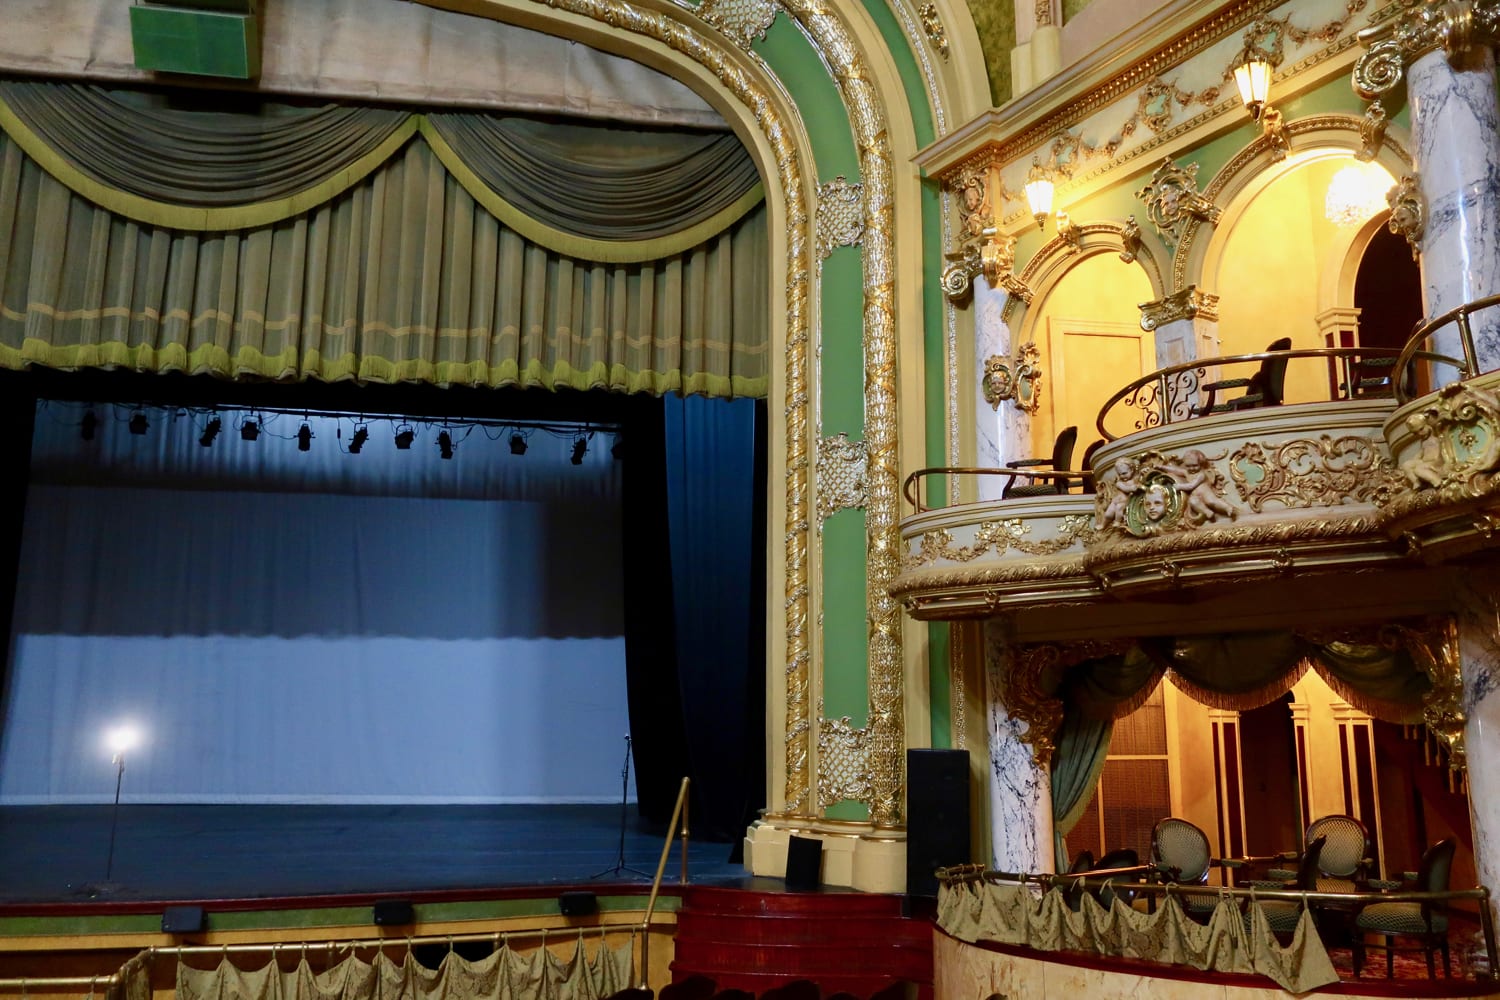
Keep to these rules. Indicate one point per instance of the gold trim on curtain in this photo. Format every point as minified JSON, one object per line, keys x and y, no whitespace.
{"x":404,"y":276}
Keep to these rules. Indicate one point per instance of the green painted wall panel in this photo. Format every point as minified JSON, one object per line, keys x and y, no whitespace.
{"x":850,"y":812}
{"x":906,"y":65}
{"x":845,"y":642}
{"x":792,"y":58}
{"x":841,"y":368}
{"x":941,"y":707}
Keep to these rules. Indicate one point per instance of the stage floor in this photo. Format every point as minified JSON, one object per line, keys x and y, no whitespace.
{"x":192,"y":852}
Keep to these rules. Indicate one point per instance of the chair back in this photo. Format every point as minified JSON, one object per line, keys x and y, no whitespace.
{"x":1062,"y":455}
{"x":1120,"y":857}
{"x":1436,"y":867}
{"x":1307,"y":868}
{"x":1273,"y":373}
{"x":1082,"y":863}
{"x":1182,"y":849}
{"x":1086,"y":463}
{"x":1346,"y":845}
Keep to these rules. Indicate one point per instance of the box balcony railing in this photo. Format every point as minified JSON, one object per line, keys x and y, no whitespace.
{"x":1406,"y":363}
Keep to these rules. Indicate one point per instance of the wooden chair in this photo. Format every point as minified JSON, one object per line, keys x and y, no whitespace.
{"x":1265,"y":388}
{"x":1344,"y":863}
{"x":1283,"y":914}
{"x":1041,"y":486}
{"x":1426,"y":922}
{"x":1086,"y":465}
{"x":1180,"y":854}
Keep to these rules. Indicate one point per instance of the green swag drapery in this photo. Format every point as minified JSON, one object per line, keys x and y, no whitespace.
{"x":1242,"y":671}
{"x":390,"y":266}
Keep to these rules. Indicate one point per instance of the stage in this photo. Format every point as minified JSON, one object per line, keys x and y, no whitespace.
{"x":202,"y":852}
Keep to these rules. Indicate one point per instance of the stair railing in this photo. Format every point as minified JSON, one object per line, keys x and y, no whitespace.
{"x":679,"y":811}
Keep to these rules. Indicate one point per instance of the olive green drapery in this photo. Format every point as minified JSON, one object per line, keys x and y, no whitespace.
{"x":502,"y":975}
{"x":403,"y":276}
{"x":1082,"y":746}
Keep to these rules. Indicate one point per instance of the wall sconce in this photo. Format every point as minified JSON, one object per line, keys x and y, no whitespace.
{"x":1252,"y":75}
{"x":1039,"y":191}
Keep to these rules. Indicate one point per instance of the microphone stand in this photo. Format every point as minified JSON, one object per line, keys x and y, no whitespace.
{"x":620,"y":865}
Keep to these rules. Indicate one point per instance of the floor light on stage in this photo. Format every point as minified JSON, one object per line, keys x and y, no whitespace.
{"x":119,"y":741}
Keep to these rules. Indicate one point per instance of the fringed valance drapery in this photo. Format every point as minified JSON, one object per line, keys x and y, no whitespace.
{"x":502,"y":975}
{"x":599,"y":192}
{"x":1015,"y":915}
{"x":402,"y":277}
{"x":1243,"y":671}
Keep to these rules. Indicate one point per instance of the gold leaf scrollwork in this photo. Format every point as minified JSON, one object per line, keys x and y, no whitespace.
{"x":1017,"y":380}
{"x":1408,"y":212}
{"x":841,"y":220}
{"x":1436,"y":652}
{"x":1459,"y":449}
{"x":1130,"y":236}
{"x":1312,"y":473}
{"x":745,"y":22}
{"x":1172,"y":198}
{"x":842,"y":467}
{"x":1186,"y":304}
{"x":932,"y":25}
{"x":1029,"y":697}
{"x":998,"y":537}
{"x":1372,"y":132}
{"x":1420,"y":26}
{"x":843,"y":763}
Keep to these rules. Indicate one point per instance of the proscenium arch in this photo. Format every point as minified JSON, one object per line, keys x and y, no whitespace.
{"x":1251,"y":171}
{"x":732,"y":81}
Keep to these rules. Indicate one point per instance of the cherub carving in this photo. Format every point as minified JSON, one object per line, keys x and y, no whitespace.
{"x":1197,"y":479}
{"x":1125,"y":486}
{"x":1427,"y":466}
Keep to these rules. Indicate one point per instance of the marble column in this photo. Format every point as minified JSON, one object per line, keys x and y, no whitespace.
{"x":1020,"y":789}
{"x":1186,"y":327}
{"x":1478,"y":616}
{"x":1456,"y":134}
{"x":1004,"y":434}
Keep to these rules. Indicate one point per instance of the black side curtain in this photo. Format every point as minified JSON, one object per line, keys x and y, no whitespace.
{"x":17,"y":412}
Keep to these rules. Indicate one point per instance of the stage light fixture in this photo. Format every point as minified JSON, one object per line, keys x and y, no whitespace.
{"x":210,"y":432}
{"x":87,"y":425}
{"x":304,"y":438}
{"x":617,"y":450}
{"x":138,"y":422}
{"x":517,"y":444}
{"x":250,"y":429}
{"x":361,"y":435}
{"x":445,"y":444}
{"x":580,"y":448}
{"x":404,"y":437}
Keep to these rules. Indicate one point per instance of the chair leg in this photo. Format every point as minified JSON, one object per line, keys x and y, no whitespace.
{"x":1427,"y":953}
{"x":1447,"y":965}
{"x":1390,"y":957}
{"x":1358,"y":949}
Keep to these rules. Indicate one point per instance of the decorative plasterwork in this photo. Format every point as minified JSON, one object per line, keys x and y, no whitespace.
{"x":841,"y":219}
{"x":1172,"y":198}
{"x":842,"y":465}
{"x":1421,"y":26}
{"x":1436,"y":651}
{"x":1304,"y":472}
{"x":1186,"y":304}
{"x":1030,"y":688}
{"x":1408,"y":212}
{"x":932,"y":26}
{"x":1459,"y":450}
{"x":744,"y":22}
{"x":1372,"y":132}
{"x":992,"y":255}
{"x":843,"y":762}
{"x":1152,"y":493}
{"x":1015,"y":379}
{"x":996,"y":538}
{"x":1130,"y":237}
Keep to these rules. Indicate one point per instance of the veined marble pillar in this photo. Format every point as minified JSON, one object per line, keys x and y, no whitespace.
{"x":1020,"y":787}
{"x":1002,"y":434}
{"x":1479,"y":654}
{"x":1456,"y":132}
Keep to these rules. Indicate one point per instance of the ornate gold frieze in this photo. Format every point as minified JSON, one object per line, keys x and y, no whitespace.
{"x":932,"y":26}
{"x":1017,"y":379}
{"x":843,"y":762}
{"x":1172,"y":198}
{"x":744,"y":22}
{"x":1186,"y":304}
{"x":1459,"y":444}
{"x":997,"y":538}
{"x":1151,"y":493}
{"x":1421,"y":26}
{"x":841,"y":475}
{"x":1408,"y":212}
{"x":841,"y":219}
{"x":1109,"y":547}
{"x":1303,"y":472}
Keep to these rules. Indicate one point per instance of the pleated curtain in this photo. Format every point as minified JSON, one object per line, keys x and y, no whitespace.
{"x":396,"y":273}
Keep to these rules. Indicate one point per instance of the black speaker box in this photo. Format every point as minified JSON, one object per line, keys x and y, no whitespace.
{"x":578,"y":904}
{"x":937,"y":816}
{"x":182,"y":920}
{"x":804,"y":862}
{"x":394,"y":913}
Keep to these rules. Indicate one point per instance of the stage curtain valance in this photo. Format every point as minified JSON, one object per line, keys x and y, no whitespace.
{"x":403,"y":276}
{"x":1243,"y":671}
{"x":599,"y":192}
{"x":503,"y":975}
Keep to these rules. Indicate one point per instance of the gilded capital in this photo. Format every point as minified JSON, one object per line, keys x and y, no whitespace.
{"x":1420,"y":27}
{"x":1186,"y":304}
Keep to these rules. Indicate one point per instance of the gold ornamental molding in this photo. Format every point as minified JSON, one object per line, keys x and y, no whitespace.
{"x":1408,"y":212}
{"x":1435,"y":649}
{"x":1172,"y":199}
{"x":841,"y":217}
{"x":1459,"y":444}
{"x":1420,"y":27}
{"x":842,"y":465}
{"x":844,"y":771}
{"x":743,"y":22}
{"x":1307,"y":472}
{"x":1189,"y":303}
{"x":1152,"y":493}
{"x":997,"y":538}
{"x":1031,"y":688}
{"x":932,"y":27}
{"x":1016,"y":379}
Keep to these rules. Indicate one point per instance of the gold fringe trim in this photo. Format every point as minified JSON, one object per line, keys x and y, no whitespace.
{"x":1142,"y":696}
{"x":1386,"y":711}
{"x":1243,"y":701}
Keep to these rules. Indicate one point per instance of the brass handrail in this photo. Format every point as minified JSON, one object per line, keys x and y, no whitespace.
{"x":974,"y":470}
{"x":1470,"y":365}
{"x":1163,"y":377}
{"x":680,"y":809}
